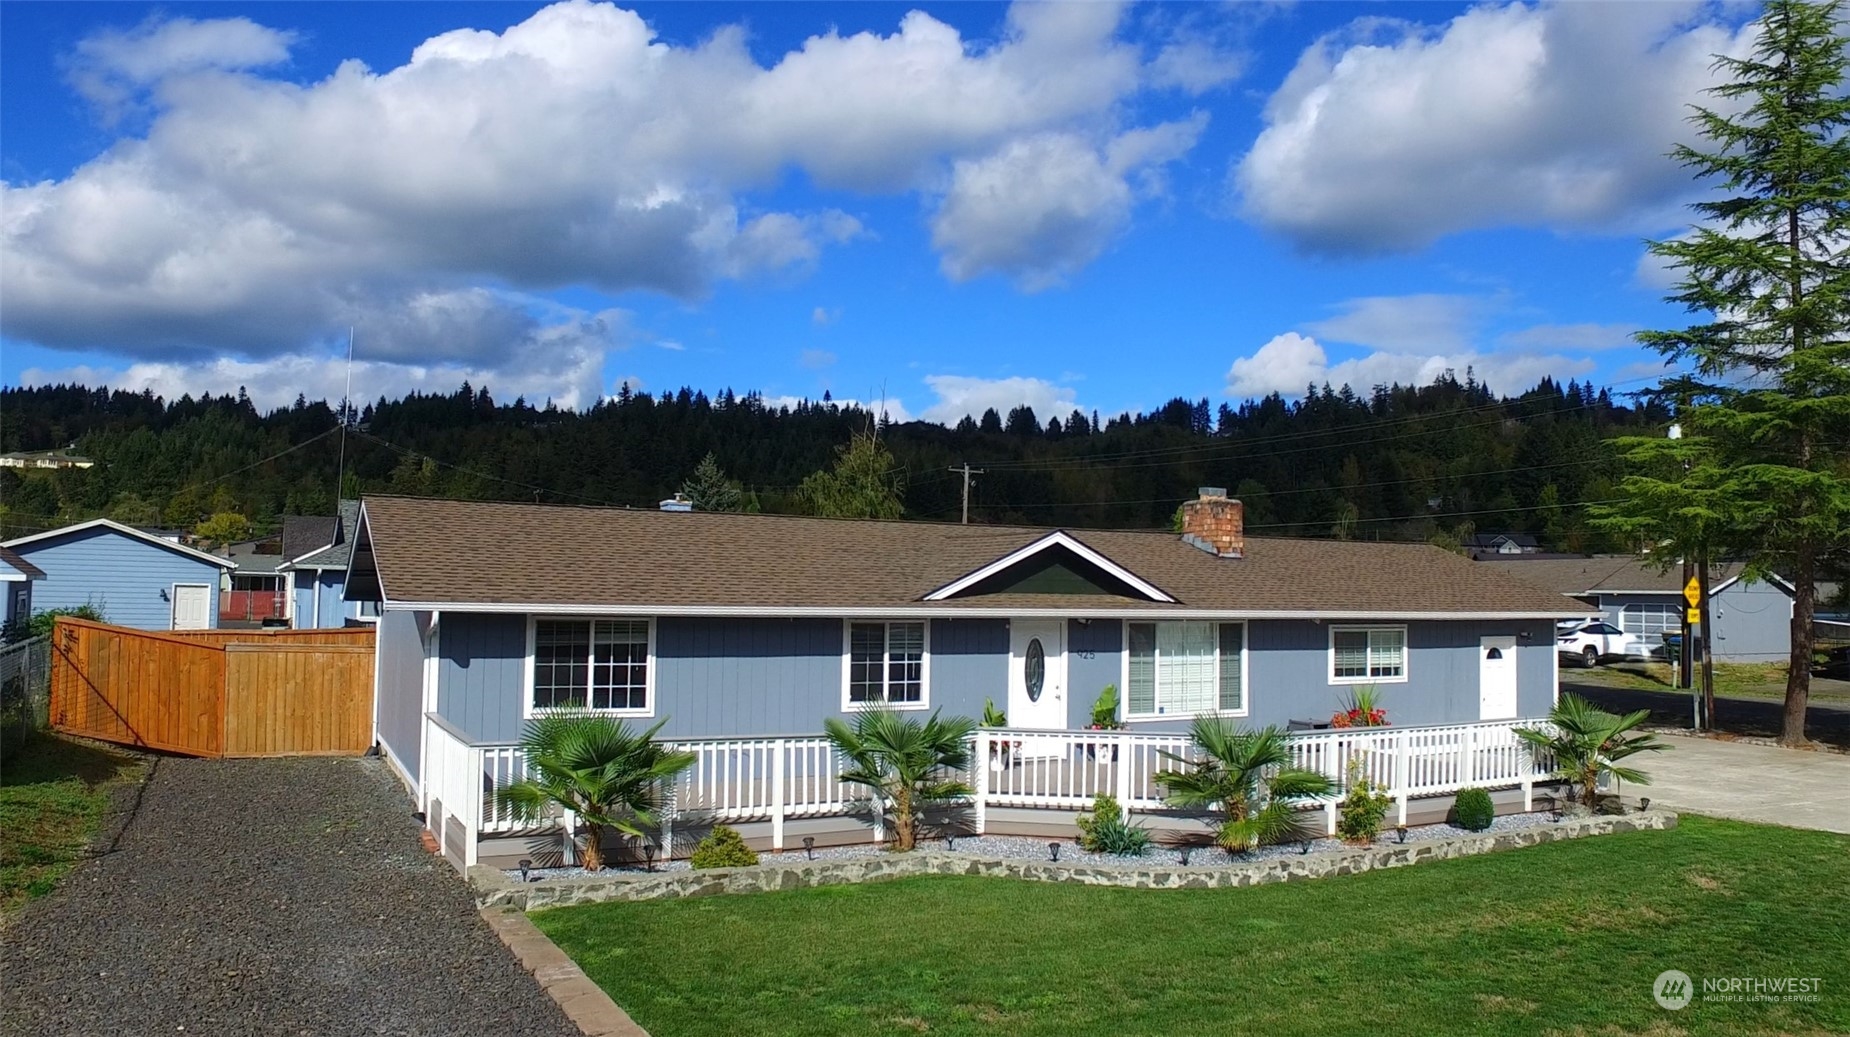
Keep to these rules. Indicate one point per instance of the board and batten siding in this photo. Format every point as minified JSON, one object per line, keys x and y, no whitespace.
{"x":400,"y":703}
{"x":1753,"y":623}
{"x":130,"y":581}
{"x":330,"y":611}
{"x":739,"y":677}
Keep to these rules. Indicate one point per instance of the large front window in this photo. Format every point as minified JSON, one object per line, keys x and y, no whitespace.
{"x":591,"y":664}
{"x":886,"y":664}
{"x":1362,"y":655}
{"x":1186,"y":669}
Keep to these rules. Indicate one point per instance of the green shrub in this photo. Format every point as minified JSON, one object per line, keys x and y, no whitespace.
{"x":724,"y":847}
{"x":1362,"y":811}
{"x":1105,"y":830}
{"x":1105,"y":810}
{"x":1472,"y":810}
{"x":1120,"y":837}
{"x":43,"y":620}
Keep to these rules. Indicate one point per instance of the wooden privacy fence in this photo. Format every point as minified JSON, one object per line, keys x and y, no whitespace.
{"x":215,"y":692}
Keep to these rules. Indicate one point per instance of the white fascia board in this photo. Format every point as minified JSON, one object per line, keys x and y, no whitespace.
{"x":1057,"y":538}
{"x":920,"y":612}
{"x":103,"y":523}
{"x":13,"y":576}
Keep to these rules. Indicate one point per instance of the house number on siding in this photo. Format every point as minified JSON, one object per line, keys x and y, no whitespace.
{"x":1086,"y":655}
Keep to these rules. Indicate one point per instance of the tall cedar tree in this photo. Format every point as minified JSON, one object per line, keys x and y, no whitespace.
{"x":711,"y":490}
{"x":1769,"y":269}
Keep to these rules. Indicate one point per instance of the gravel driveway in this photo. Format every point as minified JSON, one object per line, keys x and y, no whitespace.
{"x":265,"y":897}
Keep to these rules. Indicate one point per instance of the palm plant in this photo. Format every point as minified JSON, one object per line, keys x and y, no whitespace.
{"x":1587,"y":742}
{"x":1247,"y":777}
{"x":608,"y":775}
{"x":907,"y":762}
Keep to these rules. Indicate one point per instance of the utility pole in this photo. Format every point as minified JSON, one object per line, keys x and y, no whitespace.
{"x":967,"y":473}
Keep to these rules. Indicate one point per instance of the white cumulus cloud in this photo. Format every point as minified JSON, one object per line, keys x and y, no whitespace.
{"x":258,"y":217}
{"x":962,"y":395}
{"x":1290,"y":363}
{"x":1389,"y":135}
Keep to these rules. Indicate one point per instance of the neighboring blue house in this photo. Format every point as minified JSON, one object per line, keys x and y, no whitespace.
{"x":1753,"y":620}
{"x":16,"y":577}
{"x":726,"y":626}
{"x":135,"y":579}
{"x":317,"y":548}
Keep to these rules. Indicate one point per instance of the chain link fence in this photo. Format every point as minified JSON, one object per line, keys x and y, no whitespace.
{"x":25,"y":690}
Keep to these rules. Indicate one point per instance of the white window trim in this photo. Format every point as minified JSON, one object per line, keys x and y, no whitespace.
{"x":1406,"y":654}
{"x":847,"y":660}
{"x":528,"y":711}
{"x":1246,"y":690}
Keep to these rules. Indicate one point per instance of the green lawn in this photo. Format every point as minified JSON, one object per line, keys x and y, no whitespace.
{"x":1557,"y":939}
{"x":53,"y":794}
{"x":1732,"y":680}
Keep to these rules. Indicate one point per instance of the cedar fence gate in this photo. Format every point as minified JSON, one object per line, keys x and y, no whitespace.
{"x":215,"y":692}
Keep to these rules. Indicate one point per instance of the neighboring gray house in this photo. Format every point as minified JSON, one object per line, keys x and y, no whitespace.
{"x":16,"y":577}
{"x":759,"y":626}
{"x":135,"y":578}
{"x":1753,"y":621}
{"x":316,"y":548}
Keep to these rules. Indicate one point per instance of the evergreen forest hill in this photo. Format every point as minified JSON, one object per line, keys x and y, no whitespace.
{"x":1434,"y":462}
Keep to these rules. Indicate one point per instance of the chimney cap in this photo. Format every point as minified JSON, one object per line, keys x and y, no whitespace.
{"x":1211,"y":492}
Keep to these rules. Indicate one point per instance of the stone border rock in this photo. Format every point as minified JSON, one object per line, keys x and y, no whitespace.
{"x":1724,"y":736}
{"x":582,"y":1001}
{"x":493,"y":888}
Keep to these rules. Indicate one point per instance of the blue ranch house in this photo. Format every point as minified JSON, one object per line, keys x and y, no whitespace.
{"x":741,"y":633}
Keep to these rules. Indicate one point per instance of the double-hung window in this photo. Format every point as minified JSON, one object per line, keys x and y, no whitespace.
{"x":886,"y":664}
{"x":1185,"y":669}
{"x":1368,"y":655}
{"x":597,"y":664}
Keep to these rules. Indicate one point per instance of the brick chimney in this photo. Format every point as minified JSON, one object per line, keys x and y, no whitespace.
{"x":1215,"y":523}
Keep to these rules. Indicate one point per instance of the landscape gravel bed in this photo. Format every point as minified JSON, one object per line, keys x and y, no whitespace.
{"x":266,"y":897}
{"x":1012,"y":847}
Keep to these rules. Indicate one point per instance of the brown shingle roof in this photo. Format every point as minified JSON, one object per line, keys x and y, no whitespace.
{"x":442,"y":551}
{"x":1607,"y":574}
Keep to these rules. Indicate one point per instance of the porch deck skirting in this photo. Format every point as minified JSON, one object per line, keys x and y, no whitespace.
{"x":779,"y":790}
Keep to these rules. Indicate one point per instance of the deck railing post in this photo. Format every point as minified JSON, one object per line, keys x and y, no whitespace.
{"x":472,"y":808}
{"x":777,"y":794}
{"x":979,"y":767}
{"x":1467,"y":773}
{"x":1402,"y":776}
{"x":1121,"y":749}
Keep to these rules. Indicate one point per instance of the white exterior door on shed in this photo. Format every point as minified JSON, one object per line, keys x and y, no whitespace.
{"x":1496,"y":678}
{"x":192,"y":606}
{"x":1037,"y":674}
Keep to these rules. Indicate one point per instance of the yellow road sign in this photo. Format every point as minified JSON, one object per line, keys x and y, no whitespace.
{"x":1692,"y":592}
{"x":1694,"y":615}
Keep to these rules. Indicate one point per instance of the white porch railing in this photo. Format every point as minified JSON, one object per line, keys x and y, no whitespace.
{"x":775,"y":779}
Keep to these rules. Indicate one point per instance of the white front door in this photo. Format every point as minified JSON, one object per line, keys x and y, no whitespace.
{"x":1496,"y":678}
{"x":1037,"y":674}
{"x":192,"y":606}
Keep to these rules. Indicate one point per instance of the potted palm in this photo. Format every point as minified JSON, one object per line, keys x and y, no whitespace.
{"x":610,"y":777}
{"x":999,"y":749}
{"x":1247,"y":777}
{"x":908,"y":763}
{"x":1587,"y":743}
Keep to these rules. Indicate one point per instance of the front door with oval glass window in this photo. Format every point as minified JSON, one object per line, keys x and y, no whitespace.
{"x":1037,"y":674}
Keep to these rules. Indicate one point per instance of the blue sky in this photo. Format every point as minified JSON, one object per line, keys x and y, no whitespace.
{"x":955,"y":206}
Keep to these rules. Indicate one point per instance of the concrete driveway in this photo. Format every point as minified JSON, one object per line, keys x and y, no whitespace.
{"x":1791,"y":787}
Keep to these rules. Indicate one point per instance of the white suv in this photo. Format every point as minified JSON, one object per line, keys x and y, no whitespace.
{"x":1589,"y":644}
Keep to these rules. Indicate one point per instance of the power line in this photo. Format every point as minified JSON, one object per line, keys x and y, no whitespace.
{"x":408,"y":452}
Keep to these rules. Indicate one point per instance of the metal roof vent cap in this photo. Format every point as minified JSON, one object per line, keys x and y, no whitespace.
{"x":678,"y":502}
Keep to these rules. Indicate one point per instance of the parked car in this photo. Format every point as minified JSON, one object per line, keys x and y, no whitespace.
{"x":1589,"y":644}
{"x":1836,"y":664}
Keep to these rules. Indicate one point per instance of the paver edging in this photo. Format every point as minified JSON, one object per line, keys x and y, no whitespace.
{"x":1726,"y":738}
{"x":495,"y":889}
{"x":583,"y":1002}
